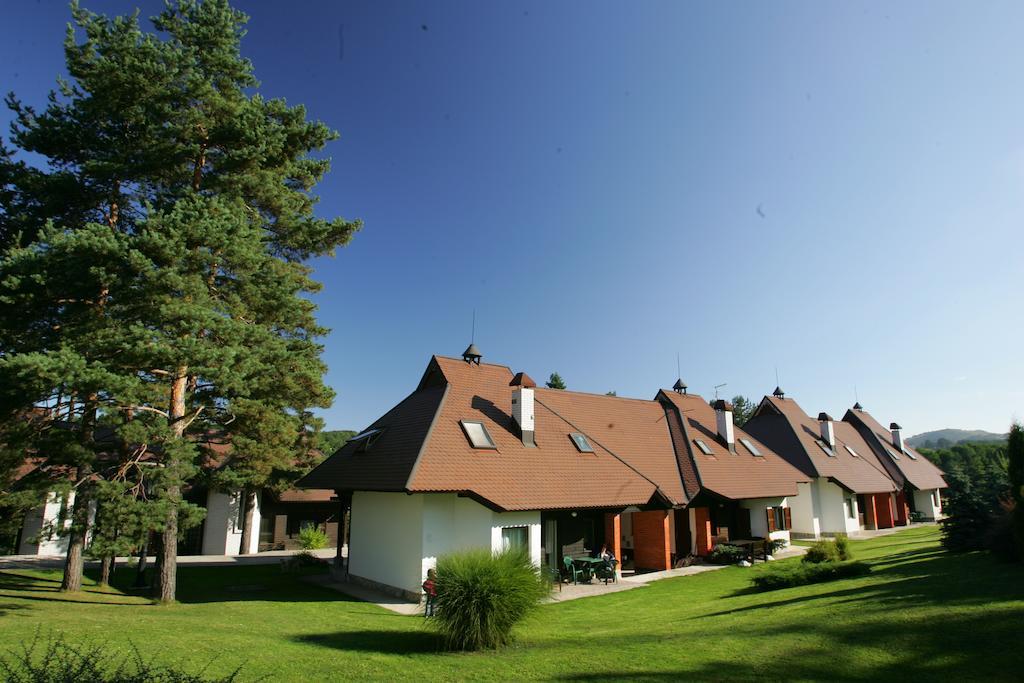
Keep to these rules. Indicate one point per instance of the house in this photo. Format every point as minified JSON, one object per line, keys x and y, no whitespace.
{"x":848,"y":489}
{"x":479,"y":456}
{"x":918,"y":481}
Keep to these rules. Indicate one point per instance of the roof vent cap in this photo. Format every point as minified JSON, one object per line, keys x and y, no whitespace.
{"x":472,"y":354}
{"x":858,"y":406}
{"x":824,"y":417}
{"x":680,"y":386}
{"x":522,"y":380}
{"x":779,"y":393}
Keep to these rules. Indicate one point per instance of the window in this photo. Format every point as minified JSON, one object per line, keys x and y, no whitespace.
{"x":750,"y":447}
{"x":909,"y":454}
{"x":581,"y":443}
{"x":779,"y":518}
{"x":851,"y":509}
{"x":515,"y":538}
{"x":702,"y":446}
{"x":366,"y":439}
{"x":935,"y":498}
{"x":851,"y":451}
{"x":828,"y":451}
{"x":892,"y":454}
{"x":477,"y":433}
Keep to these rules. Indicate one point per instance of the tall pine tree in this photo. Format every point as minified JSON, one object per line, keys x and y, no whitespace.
{"x":198,"y":193}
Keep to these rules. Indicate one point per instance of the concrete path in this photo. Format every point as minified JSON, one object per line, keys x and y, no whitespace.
{"x":269,"y":557}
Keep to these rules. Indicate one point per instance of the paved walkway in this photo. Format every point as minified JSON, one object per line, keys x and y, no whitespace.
{"x":875,"y":533}
{"x":269,"y":557}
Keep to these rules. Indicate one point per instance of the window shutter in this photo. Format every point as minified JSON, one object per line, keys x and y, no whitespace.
{"x":789,"y":518}
{"x":771,"y":520}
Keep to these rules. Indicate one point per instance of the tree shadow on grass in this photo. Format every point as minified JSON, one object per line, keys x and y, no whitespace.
{"x":384,"y":642}
{"x":8,"y":607}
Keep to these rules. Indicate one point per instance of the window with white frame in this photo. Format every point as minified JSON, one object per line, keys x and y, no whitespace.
{"x":515,"y":538}
{"x":477,"y":433}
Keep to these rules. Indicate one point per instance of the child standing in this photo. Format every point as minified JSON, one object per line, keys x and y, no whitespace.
{"x":430,"y":591}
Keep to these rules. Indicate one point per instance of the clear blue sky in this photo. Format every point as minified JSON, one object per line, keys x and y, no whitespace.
{"x":836,"y":190}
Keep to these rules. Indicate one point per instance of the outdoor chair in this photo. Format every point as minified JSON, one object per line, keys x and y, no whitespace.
{"x":556,"y":577}
{"x":578,"y":574}
{"x":606,"y":572}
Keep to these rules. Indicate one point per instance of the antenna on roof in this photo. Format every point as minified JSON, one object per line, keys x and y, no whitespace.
{"x":680,"y":386}
{"x":472,"y":333}
{"x":472,"y":354}
{"x":719,"y":386}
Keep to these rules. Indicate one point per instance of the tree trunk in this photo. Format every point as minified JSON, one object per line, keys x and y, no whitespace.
{"x":249,"y":501}
{"x":74,"y":563}
{"x":140,"y":571}
{"x":106,"y":567}
{"x":168,"y":566}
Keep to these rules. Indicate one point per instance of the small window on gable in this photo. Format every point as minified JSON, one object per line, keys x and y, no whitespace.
{"x":751,"y":447}
{"x":581,"y":442}
{"x":364,"y":440}
{"x":892,"y":454}
{"x":477,"y":434}
{"x":851,"y":451}
{"x":828,"y":451}
{"x":909,"y":454}
{"x":703,"y":447}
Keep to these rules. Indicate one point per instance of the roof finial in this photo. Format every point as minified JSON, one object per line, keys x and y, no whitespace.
{"x":472,"y":353}
{"x":779,"y":393}
{"x":680,"y":386}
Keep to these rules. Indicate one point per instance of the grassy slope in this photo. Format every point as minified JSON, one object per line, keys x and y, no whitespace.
{"x":923,"y":615}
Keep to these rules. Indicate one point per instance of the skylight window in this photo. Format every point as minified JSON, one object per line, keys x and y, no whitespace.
{"x":366,"y":439}
{"x":909,"y":454}
{"x":751,"y":447}
{"x":851,"y":451}
{"x":892,"y":454}
{"x":828,"y":451}
{"x":581,"y":442}
{"x":703,"y":447}
{"x":477,"y":434}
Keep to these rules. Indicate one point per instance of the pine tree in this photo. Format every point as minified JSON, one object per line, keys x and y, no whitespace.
{"x":1015,"y":470}
{"x":555,"y":381}
{"x":183,"y":310}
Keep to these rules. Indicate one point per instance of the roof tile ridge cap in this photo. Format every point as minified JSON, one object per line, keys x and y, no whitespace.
{"x":596,"y":395}
{"x":481,"y":364}
{"x":414,"y":470}
{"x":689,"y":451}
{"x":610,"y":452}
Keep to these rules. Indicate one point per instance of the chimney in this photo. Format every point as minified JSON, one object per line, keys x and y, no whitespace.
{"x":723,"y":415}
{"x":897,"y":436}
{"x":522,"y":406}
{"x":828,"y":429}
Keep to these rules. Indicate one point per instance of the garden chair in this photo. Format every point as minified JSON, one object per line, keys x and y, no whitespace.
{"x":575,"y":572}
{"x":606,"y":572}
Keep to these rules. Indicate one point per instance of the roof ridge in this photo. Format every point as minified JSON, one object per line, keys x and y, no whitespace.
{"x":426,"y":437}
{"x":597,"y":395}
{"x":481,"y":364}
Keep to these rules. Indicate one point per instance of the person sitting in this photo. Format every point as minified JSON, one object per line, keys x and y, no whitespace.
{"x":430,"y":592}
{"x":606,"y":554}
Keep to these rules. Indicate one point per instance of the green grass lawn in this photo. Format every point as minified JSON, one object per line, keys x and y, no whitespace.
{"x":922,"y":614}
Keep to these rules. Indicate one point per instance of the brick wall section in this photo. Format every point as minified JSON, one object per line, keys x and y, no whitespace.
{"x":705,"y":539}
{"x":652,"y":546}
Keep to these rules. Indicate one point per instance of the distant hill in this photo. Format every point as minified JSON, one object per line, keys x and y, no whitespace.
{"x":944,"y":438}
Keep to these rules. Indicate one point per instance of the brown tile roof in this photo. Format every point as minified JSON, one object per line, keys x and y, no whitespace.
{"x":794,"y":435}
{"x":552,"y":475}
{"x":918,"y":471}
{"x":731,"y":475}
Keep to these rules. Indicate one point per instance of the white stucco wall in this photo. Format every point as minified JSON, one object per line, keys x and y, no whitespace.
{"x":395,"y":538}
{"x":222,"y":535}
{"x":832,"y":502}
{"x":39,"y":530}
{"x":925,"y":503}
{"x":806,"y":521}
{"x":758,"y":508}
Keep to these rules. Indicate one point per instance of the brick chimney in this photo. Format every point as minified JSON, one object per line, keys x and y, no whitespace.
{"x":828,"y":429}
{"x":522,"y":406}
{"x":723,"y":416}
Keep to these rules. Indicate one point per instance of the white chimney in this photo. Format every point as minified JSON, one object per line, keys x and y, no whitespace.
{"x":723,"y":415}
{"x":897,"y":436}
{"x":828,"y":429}
{"x":522,"y":406}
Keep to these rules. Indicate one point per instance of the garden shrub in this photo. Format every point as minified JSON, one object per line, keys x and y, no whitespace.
{"x":843,"y":548}
{"x":723,"y":553}
{"x":51,"y":659}
{"x":312,"y":538}
{"x":481,"y":595}
{"x":822,"y":551}
{"x":774,"y":545}
{"x":802,"y":574}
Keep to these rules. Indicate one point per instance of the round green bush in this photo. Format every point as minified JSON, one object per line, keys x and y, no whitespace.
{"x":312,"y":538}
{"x":482,"y":595}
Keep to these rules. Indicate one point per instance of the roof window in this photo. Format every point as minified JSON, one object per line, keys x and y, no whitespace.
{"x":581,"y":442}
{"x":907,"y":452}
{"x":366,"y":439}
{"x":703,"y":447}
{"x":828,"y":451}
{"x":851,"y":451}
{"x":892,"y":454}
{"x":751,"y":447}
{"x":477,"y":434}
